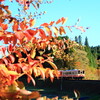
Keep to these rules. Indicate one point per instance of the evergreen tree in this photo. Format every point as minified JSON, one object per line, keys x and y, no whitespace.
{"x":76,"y":39}
{"x":80,"y":39}
{"x":86,"y":42}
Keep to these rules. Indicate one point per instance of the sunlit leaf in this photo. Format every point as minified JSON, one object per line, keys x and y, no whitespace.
{"x":64,"y":20}
{"x":61,"y":30}
{"x":56,"y":32}
{"x":15,"y":26}
{"x":10,"y":48}
{"x":5,"y":39}
{"x":13,"y":73}
{"x":23,"y":25}
{"x":42,"y":72}
{"x":44,"y":24}
{"x":51,"y":75}
{"x":33,"y":53}
{"x":58,"y":21}
{"x":35,"y":71}
{"x":32,"y":22}
{"x":19,"y":35}
{"x":42,"y":34}
{"x":12,"y":58}
{"x":48,"y":30}
{"x":32,"y":32}
{"x":56,"y":73}
{"x":3,"y":50}
{"x":5,"y":60}
{"x":51,"y":23}
{"x":4,"y":26}
{"x":47,"y":72}
{"x":32,"y":79}
{"x":28,"y":36}
{"x":24,"y":92}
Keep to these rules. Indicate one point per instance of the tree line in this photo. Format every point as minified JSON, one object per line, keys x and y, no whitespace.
{"x":93,"y":52}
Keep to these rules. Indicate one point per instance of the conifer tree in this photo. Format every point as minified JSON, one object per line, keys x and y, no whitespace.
{"x":80,"y":39}
{"x":76,"y":39}
{"x":86,"y":42}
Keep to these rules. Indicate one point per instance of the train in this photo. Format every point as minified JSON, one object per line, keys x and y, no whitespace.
{"x":77,"y":74}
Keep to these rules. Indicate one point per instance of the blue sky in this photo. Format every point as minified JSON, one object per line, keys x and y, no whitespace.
{"x":88,"y":11}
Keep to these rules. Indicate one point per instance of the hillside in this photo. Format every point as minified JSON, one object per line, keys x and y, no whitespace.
{"x":77,"y":57}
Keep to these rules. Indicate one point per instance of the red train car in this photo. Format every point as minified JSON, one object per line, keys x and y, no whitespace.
{"x":72,"y":74}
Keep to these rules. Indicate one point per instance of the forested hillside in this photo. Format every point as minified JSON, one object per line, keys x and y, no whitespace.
{"x":78,"y":56}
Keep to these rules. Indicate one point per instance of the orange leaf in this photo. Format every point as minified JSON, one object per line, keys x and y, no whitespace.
{"x":23,"y":25}
{"x":18,"y":53}
{"x":19,"y":35}
{"x":33,"y":81}
{"x":12,"y":58}
{"x":5,"y":39}
{"x":32,"y":22}
{"x":64,"y":20}
{"x":51,"y":75}
{"x":51,"y":23}
{"x":58,"y":21}
{"x":14,"y":39}
{"x":56,"y":73}
{"x":28,"y":35}
{"x":44,"y":24}
{"x":42,"y":34}
{"x":10,"y":48}
{"x":4,"y":26}
{"x":5,"y":60}
{"x":2,"y":0}
{"x":3,"y":50}
{"x":32,"y":32}
{"x":47,"y":72}
{"x":15,"y":26}
{"x":61,"y":30}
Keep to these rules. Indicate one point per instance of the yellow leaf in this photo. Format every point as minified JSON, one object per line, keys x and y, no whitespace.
{"x":48,"y":30}
{"x":3,"y":67}
{"x":42,"y":72}
{"x":55,"y":29}
{"x":33,"y":53}
{"x":13,"y":73}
